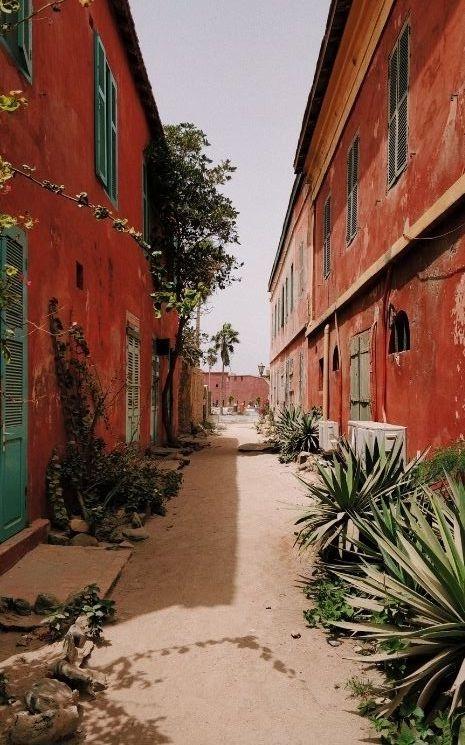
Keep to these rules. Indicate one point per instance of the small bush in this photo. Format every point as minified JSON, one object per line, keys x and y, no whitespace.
{"x":296,"y":431}
{"x":449,"y":460}
{"x":329,"y":596}
{"x":86,"y":603}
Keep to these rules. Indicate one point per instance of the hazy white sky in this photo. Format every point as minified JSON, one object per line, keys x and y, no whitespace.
{"x":241,"y":70}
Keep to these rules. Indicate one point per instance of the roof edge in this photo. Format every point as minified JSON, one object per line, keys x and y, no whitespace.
{"x":127,"y":30}
{"x":335,"y":25}
{"x":287,"y":221}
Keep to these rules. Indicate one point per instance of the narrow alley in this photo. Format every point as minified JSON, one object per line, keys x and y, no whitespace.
{"x":203,"y":651}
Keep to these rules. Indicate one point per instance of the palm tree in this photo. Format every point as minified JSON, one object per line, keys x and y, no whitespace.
{"x":224,"y":342}
{"x":212,"y":358}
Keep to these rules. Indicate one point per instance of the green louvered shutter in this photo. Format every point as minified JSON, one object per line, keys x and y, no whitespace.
{"x":13,"y":381}
{"x":25,"y":35}
{"x":399,"y":64}
{"x":352,"y":189}
{"x":112,"y":112}
{"x":101,"y":126}
{"x":132,"y":386}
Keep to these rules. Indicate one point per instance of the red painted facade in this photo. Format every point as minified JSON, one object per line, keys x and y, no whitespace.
{"x":242,"y":389}
{"x":383,"y":270}
{"x":55,"y":133}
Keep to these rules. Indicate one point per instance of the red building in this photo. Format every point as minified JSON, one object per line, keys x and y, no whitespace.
{"x":90,"y":116}
{"x":379,"y":170}
{"x":243,"y":390}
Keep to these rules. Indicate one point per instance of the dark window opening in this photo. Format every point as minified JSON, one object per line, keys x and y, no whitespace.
{"x":79,"y":276}
{"x":320,"y":374}
{"x":400,"y":334}
{"x":336,"y":359}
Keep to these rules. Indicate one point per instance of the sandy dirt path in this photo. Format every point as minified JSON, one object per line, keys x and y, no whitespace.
{"x":203,"y":652}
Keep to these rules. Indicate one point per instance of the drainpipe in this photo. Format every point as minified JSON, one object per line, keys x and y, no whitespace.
{"x":326,"y":373}
{"x":338,"y":342}
{"x":384,"y":346}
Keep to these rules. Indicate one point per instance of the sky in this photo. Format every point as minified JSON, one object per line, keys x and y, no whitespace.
{"x":241,"y":70}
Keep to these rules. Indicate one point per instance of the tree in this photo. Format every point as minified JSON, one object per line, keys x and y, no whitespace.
{"x":211,"y":359}
{"x":197,"y":224}
{"x":224,"y":342}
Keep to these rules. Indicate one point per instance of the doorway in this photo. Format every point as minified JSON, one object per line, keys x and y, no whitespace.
{"x":13,"y":385}
{"x":360,"y":399}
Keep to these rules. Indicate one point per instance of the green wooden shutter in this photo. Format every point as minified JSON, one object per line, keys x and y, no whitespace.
{"x":327,"y":237}
{"x":112,"y":113}
{"x":132,"y":387}
{"x":402,"y":100}
{"x":101,"y":129}
{"x":399,"y":63}
{"x":352,"y":189}
{"x":13,"y":377}
{"x":25,"y":36}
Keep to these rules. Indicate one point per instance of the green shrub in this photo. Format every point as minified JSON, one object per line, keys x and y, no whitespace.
{"x":348,"y":488}
{"x":431,"y":553}
{"x":296,"y":431}
{"x":449,"y":460}
{"x":86,"y":603}
{"x":330,"y":603}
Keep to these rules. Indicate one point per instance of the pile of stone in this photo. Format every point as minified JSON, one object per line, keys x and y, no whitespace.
{"x":114,"y":532}
{"x":40,"y":690}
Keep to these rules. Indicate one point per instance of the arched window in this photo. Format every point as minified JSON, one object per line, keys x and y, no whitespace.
{"x":336,"y":359}
{"x":400,"y":333}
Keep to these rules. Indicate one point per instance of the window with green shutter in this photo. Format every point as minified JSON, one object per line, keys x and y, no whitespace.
{"x":132,"y":386}
{"x":327,"y":237}
{"x":19,"y":40}
{"x":106,"y":122}
{"x":352,"y":189}
{"x":399,"y":63}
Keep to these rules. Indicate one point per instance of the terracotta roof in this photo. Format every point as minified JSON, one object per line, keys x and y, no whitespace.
{"x":127,"y":29}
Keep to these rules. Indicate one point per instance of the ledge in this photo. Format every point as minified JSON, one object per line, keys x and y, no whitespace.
{"x":13,"y":549}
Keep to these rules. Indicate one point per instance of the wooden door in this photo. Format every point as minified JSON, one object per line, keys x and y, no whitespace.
{"x":360,"y":399}
{"x":13,"y":387}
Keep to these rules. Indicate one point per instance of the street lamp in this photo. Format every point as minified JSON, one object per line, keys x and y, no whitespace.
{"x":261,"y":370}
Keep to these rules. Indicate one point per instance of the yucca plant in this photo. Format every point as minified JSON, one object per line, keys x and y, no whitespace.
{"x":296,"y":431}
{"x":349,"y":487}
{"x":431,"y":556}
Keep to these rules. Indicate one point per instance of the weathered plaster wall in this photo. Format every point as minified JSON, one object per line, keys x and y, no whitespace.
{"x":421,"y":388}
{"x":55,"y":133}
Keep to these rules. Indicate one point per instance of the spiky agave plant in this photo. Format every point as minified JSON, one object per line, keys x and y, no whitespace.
{"x":346,"y":492}
{"x":431,"y":556}
{"x":296,"y":431}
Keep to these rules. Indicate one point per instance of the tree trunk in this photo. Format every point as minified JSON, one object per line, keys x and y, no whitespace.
{"x":222,"y":389}
{"x":167,"y":396}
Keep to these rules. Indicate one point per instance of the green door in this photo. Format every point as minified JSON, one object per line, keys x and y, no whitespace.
{"x":13,"y":382}
{"x":360,"y":399}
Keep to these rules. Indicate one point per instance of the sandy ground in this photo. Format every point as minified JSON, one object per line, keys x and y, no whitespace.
{"x":203,"y":652}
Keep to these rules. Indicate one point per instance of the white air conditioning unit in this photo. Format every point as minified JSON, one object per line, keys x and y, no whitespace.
{"x":328,"y":435}
{"x":389,"y":436}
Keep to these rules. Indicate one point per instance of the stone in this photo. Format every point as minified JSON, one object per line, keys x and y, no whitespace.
{"x":55,"y":538}
{"x":256,"y":447}
{"x":13,"y":622}
{"x":117,"y":546}
{"x":82,"y":539}
{"x":78,"y":525}
{"x":44,"y":728}
{"x":21,"y":607}
{"x":303,"y":457}
{"x":45,"y":604}
{"x":49,"y":694}
{"x":135,"y":534}
{"x":136,"y":522}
